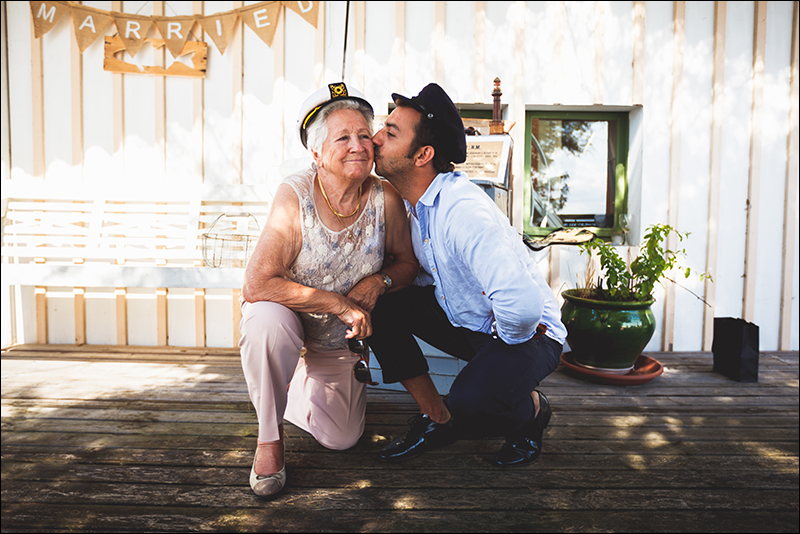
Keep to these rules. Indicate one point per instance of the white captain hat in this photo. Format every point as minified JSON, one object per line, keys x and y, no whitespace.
{"x":318,"y":100}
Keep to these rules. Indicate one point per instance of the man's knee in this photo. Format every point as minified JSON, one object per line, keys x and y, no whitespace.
{"x":467,"y":402}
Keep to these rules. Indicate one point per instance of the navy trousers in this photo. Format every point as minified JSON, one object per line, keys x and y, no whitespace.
{"x":491,"y":396}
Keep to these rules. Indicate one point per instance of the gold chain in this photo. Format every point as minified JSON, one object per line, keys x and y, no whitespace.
{"x":339,"y":215}
{"x":358,"y":206}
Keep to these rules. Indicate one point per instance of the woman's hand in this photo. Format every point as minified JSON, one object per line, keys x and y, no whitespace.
{"x":357,"y":320}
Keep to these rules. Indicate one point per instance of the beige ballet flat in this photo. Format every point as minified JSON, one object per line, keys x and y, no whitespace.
{"x":268,"y":485}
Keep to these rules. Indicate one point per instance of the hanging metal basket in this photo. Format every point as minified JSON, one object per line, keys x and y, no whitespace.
{"x":229,"y":240}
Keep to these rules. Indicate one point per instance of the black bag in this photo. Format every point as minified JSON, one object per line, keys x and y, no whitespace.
{"x":735,"y":349}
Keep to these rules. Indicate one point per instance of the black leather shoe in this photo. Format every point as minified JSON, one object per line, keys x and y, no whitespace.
{"x":425,"y":434}
{"x":524,"y":447}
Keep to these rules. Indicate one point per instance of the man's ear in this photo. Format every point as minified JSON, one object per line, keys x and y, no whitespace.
{"x":424,"y":156}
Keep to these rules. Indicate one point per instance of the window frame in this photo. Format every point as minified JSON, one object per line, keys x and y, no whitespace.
{"x":621,"y":171}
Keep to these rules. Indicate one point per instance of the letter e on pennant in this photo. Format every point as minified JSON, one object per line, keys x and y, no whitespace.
{"x":262,"y":18}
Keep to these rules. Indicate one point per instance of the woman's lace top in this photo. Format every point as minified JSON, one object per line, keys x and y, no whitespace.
{"x":330,"y":261}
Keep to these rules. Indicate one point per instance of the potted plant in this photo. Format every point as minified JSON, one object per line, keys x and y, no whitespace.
{"x":609,"y":322}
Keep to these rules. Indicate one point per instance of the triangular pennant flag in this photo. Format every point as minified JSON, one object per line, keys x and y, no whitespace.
{"x":307,"y":10}
{"x":219,"y":27}
{"x":45,"y":15}
{"x":132,"y":30}
{"x":175,"y":31}
{"x":262,"y":18}
{"x":89,"y":24}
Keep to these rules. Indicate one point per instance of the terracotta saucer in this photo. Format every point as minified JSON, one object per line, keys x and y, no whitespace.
{"x":644,"y":370}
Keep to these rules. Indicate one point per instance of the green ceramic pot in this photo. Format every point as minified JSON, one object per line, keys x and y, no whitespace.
{"x":607,"y":336}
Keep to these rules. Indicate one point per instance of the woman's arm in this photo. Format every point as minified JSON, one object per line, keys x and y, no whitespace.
{"x":276,"y":250}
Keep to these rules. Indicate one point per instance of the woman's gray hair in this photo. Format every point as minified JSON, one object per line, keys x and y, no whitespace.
{"x":318,"y":131}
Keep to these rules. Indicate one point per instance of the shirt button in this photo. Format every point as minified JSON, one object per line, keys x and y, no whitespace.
{"x":442,"y":297}
{"x":426,"y":240}
{"x":434,"y":269}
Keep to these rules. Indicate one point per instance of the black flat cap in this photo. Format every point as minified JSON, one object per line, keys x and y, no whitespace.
{"x":436,"y":106}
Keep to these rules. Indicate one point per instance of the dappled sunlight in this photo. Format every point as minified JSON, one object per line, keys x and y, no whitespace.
{"x":636,"y":461}
{"x":405,"y":503}
{"x":97,"y":379}
{"x":360,"y":484}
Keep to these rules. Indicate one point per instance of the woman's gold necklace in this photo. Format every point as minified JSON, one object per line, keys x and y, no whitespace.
{"x":339,"y":215}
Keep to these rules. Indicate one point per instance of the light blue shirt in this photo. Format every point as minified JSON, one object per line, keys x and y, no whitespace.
{"x":481,"y":268}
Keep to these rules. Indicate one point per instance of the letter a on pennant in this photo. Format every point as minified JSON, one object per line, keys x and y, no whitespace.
{"x":45,"y":15}
{"x":89,"y":25}
{"x":220,"y":28}
{"x":262,"y":18}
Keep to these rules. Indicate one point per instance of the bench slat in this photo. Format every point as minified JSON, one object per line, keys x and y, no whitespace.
{"x":91,"y":275}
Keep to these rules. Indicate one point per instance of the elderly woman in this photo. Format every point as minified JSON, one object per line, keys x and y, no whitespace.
{"x":335,"y":240}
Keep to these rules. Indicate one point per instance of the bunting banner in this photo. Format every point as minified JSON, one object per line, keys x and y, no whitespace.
{"x":45,"y":16}
{"x":90,"y":23}
{"x":219,"y":27}
{"x":262,"y":19}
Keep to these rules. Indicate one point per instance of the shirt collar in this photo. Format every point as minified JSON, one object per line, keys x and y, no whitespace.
{"x":429,"y":197}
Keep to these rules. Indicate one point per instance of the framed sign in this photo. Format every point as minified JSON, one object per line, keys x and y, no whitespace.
{"x":488,"y":159}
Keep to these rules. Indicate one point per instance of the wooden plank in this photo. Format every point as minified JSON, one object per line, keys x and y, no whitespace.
{"x":197,"y":106}
{"x":237,"y":316}
{"x":438,"y":38}
{"x":480,"y":93}
{"x":598,"y":53}
{"x":162,"y":328}
{"x":451,"y":459}
{"x":76,"y":98}
{"x":75,"y":410}
{"x":178,"y":518}
{"x":398,"y":57}
{"x":790,"y":196}
{"x":651,"y":438}
{"x":106,"y":275}
{"x":200,"y":317}
{"x":41,"y":314}
{"x":37,"y":105}
{"x":753,"y":188}
{"x":717,"y":119}
{"x":79,"y":299}
{"x":678,"y":46}
{"x":638,"y":51}
{"x":651,"y":499}
{"x":160,"y":107}
{"x":758,"y":479}
{"x":236,"y":51}
{"x":518,"y":116}
{"x":121,"y":303}
{"x":358,"y":72}
{"x":118,"y":121}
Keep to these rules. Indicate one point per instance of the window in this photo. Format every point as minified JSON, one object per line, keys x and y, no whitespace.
{"x":576,"y":164}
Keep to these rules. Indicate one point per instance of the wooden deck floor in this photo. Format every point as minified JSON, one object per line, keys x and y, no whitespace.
{"x":105,"y":439}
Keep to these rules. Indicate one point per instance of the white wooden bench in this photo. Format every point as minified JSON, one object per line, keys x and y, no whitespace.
{"x":73,"y":238}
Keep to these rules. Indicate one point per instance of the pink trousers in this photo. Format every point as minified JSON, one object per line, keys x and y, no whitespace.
{"x":324,"y":397}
